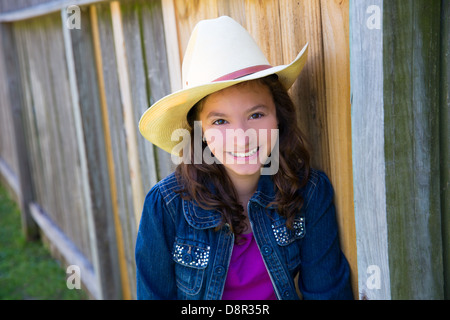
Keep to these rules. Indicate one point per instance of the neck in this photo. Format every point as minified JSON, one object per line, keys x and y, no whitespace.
{"x":245,"y":185}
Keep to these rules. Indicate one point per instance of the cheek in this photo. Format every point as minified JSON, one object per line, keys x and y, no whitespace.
{"x":268,"y":134}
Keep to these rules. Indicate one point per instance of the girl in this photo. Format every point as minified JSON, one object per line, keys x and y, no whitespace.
{"x":246,"y":224}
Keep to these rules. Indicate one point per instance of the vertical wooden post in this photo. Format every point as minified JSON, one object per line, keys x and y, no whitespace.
{"x":444,"y":123}
{"x":335,"y":31}
{"x":109,"y":156}
{"x":368,"y":150}
{"x":14,"y":85}
{"x":130,"y":126}
{"x":411,"y":49}
{"x":173,"y":51}
{"x":82,"y":151}
{"x":395,"y":86}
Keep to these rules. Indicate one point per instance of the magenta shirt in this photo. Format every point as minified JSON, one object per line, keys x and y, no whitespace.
{"x":247,"y":277}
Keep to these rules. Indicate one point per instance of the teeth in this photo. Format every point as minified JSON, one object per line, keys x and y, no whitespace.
{"x":243,"y":155}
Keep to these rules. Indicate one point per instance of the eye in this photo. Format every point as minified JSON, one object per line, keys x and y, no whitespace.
{"x":256,"y":115}
{"x":219,"y":122}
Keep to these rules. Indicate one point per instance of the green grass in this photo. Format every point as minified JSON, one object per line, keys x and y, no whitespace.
{"x":27,"y":270}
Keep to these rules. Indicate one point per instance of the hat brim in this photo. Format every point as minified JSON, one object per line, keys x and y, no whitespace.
{"x":168,"y":114}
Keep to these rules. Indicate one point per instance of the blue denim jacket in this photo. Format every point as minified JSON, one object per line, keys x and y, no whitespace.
{"x":180,"y":255}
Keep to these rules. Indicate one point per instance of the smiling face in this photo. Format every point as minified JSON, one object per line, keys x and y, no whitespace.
{"x":238,"y":124}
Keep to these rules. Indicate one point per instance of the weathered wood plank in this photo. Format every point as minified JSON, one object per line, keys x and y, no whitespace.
{"x":117,"y":234}
{"x":87,"y":86}
{"x":232,"y":8}
{"x":366,"y":65}
{"x":171,"y":39}
{"x":262,"y":20}
{"x":128,"y":113}
{"x":335,"y":31}
{"x":411,"y":100}
{"x":444,"y":124}
{"x":42,"y":107}
{"x":133,"y":29}
{"x":16,"y":149}
{"x":84,"y":166}
{"x":7,"y":79}
{"x":118,"y":136}
{"x":158,"y":79}
{"x":302,"y":24}
{"x":60,"y":113}
{"x":29,"y":117}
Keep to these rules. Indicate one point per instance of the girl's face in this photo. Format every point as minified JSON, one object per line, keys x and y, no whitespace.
{"x":240,"y":126}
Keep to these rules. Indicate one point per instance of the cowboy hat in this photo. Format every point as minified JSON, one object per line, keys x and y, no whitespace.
{"x":220,"y":53}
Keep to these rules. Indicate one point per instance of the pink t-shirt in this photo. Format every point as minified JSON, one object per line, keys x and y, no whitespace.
{"x":247,"y":277}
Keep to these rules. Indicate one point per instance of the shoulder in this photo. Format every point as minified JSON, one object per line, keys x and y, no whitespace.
{"x":162,"y":196}
{"x":166,"y":188}
{"x":318,"y":190}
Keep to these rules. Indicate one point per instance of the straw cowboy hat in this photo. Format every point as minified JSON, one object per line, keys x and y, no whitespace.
{"x":220,"y":53}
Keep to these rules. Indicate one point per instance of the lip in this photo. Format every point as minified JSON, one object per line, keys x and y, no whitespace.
{"x":244,"y":155}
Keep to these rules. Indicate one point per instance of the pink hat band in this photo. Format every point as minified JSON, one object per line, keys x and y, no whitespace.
{"x":243,"y":72}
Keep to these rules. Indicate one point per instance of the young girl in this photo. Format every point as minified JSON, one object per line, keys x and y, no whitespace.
{"x":243,"y":214}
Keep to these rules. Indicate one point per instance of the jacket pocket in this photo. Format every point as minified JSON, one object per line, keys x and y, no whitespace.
{"x":288,"y":240}
{"x":191,"y":259}
{"x":285,"y":236}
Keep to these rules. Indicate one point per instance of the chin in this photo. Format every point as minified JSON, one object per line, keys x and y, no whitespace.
{"x":244,"y":169}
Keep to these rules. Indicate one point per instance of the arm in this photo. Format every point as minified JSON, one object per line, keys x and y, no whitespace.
{"x":155,"y":273}
{"x":324,"y":272}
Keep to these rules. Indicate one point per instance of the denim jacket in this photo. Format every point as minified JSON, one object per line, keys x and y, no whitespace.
{"x":180,"y":254}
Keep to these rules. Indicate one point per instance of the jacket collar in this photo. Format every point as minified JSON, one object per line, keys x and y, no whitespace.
{"x":199,"y":218}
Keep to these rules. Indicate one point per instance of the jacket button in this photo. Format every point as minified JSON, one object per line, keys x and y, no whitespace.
{"x":219,"y":270}
{"x":187,"y":258}
{"x":266,"y":250}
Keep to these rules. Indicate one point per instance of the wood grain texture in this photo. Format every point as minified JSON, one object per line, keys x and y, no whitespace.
{"x":303,"y":24}
{"x":157,"y":77}
{"x":262,"y":21}
{"x":368,"y":153}
{"x":89,"y":222}
{"x":14,"y":155}
{"x":129,"y":118}
{"x":335,"y":31}
{"x":444,"y":152}
{"x":411,"y":100}
{"x":110,"y":206}
{"x":118,"y":134}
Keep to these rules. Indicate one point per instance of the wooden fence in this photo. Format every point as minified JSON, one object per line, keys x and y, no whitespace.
{"x":71,"y":99}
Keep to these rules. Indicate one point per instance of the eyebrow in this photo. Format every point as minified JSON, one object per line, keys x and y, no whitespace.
{"x":214,"y":114}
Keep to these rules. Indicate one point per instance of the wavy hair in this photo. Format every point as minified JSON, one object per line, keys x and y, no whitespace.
{"x":292,"y":174}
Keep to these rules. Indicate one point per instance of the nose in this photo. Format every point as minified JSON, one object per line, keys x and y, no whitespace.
{"x":241,"y":137}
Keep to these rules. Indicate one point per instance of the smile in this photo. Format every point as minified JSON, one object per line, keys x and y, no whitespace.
{"x":244,"y":155}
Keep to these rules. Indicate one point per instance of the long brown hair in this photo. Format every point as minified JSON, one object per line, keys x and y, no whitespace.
{"x":293,"y":172}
